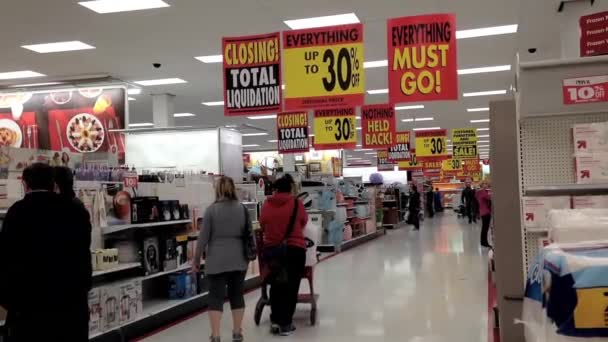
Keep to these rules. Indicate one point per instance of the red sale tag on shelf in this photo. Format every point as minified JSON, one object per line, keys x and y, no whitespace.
{"x":130,"y":179}
{"x":585,"y":89}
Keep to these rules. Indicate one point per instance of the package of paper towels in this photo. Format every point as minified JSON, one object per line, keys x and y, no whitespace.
{"x":576,"y":225}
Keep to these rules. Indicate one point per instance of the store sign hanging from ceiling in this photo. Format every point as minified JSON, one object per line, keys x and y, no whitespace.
{"x":464,"y":142}
{"x":335,"y":129}
{"x":594,"y":34}
{"x":451,"y":167}
{"x":292,"y":132}
{"x":412,"y":164}
{"x":324,"y":67}
{"x":431,"y":144}
{"x":252,"y":74}
{"x":378,"y":126}
{"x":422,"y":58}
{"x":383,"y":163}
{"x":400,"y":151}
{"x":585,"y":89}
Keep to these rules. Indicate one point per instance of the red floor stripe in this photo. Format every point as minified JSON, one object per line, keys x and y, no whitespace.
{"x":493,"y":333}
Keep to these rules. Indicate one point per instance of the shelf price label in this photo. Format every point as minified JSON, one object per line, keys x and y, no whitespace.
{"x":585,"y":90}
{"x":383,"y":163}
{"x":324,"y":67}
{"x":292,"y":132}
{"x":412,"y":164}
{"x":431,"y":144}
{"x":378,"y":126}
{"x":400,"y":152}
{"x":335,"y":129}
{"x":465,"y":143}
{"x":130,"y":179}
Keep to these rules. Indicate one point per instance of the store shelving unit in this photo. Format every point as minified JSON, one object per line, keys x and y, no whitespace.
{"x":121,"y":228}
{"x":118,"y":268}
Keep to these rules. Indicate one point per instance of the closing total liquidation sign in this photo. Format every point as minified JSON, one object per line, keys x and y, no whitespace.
{"x":378,"y":126}
{"x":292,"y":132}
{"x":252,"y":74}
{"x":324,"y":67}
{"x":400,"y":151}
{"x":422,"y":58}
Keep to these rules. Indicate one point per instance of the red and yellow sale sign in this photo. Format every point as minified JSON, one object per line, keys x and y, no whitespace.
{"x":383,"y":163}
{"x":252,"y":74}
{"x":400,"y":151}
{"x":335,"y":129}
{"x":412,"y":164}
{"x":292,"y":132}
{"x":324,"y":67}
{"x":431,"y":144}
{"x":378,"y":126}
{"x":422,"y":58}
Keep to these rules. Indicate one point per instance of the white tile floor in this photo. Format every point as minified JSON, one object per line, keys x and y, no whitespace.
{"x":427,"y":286}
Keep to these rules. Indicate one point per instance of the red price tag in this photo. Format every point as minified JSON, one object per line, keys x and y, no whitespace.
{"x":130,"y":180}
{"x":585,"y":89}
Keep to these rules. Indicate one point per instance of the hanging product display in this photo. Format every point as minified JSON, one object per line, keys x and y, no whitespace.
{"x":431,"y":144}
{"x":378,"y":126}
{"x":412,"y":164}
{"x":465,"y":143}
{"x":335,"y":129}
{"x":292,"y":132}
{"x":252,"y":74}
{"x":585,"y":89}
{"x":400,"y":151}
{"x":324,"y":67}
{"x":422,"y":58}
{"x":383,"y":163}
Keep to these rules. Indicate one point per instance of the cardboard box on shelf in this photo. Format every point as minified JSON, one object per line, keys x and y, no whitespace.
{"x":592,"y":169}
{"x":590,"y":202}
{"x":590,"y":138}
{"x":181,"y":286}
{"x":131,"y":301}
{"x":95,"y":312}
{"x":536,"y":209}
{"x":110,"y":301}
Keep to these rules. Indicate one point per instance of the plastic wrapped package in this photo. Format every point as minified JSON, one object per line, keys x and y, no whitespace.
{"x":577,"y":225}
{"x":565,"y":298}
{"x":311,"y":232}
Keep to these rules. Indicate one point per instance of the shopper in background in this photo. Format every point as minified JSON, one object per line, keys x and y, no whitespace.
{"x":437,"y":200}
{"x":484,"y":201}
{"x":468,"y":199}
{"x":414,"y":207}
{"x":283,"y":219}
{"x":222,"y":238}
{"x":64,"y":182}
{"x":428,"y":201}
{"x":45,"y":263}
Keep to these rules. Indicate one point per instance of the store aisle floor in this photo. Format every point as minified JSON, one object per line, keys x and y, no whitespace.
{"x":427,"y":286}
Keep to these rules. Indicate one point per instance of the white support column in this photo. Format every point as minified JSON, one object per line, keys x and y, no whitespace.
{"x":162,"y":110}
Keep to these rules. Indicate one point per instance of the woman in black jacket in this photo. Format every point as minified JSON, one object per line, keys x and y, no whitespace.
{"x":414,"y":207}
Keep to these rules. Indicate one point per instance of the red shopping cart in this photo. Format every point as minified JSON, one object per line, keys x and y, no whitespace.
{"x":304,"y":298}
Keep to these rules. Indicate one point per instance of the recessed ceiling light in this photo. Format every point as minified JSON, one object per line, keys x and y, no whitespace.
{"x":161,"y":81}
{"x":483,"y":136}
{"x":141,"y":124}
{"x":410,"y":107}
{"x":183,"y":115}
{"x":19,"y":74}
{"x":254,"y":134}
{"x":486,"y":31}
{"x":131,"y":99}
{"x":485,"y":93}
{"x":375,"y":64}
{"x":273,"y":141}
{"x":377,"y":91}
{"x":426,"y":128}
{"x":484,"y":69}
{"x":113,"y":6}
{"x":58,"y":47}
{"x":330,"y":20}
{"x":35,"y":84}
{"x":262,"y":117}
{"x":481,"y":109}
{"x":483,"y":129}
{"x":251,"y":145}
{"x":210,"y":59}
{"x":214,"y":103}
{"x":134,"y":91}
{"x":480,"y":120}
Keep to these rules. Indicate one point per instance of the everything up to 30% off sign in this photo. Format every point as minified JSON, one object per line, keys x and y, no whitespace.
{"x":431,"y":144}
{"x":324,"y":67}
{"x":335,"y":129}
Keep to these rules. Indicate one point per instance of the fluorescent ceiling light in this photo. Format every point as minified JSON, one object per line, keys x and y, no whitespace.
{"x":483,"y":141}
{"x":423,"y":119}
{"x":134,"y":91}
{"x":214,"y":103}
{"x":449,"y":145}
{"x":210,"y":59}
{"x":35,"y":84}
{"x":254,"y":134}
{"x":113,"y":6}
{"x":141,"y":124}
{"x":480,"y":120}
{"x":484,"y":69}
{"x":262,"y":117}
{"x":273,"y":141}
{"x":359,"y":128}
{"x":311,"y":135}
{"x":426,"y":128}
{"x":358,"y":117}
{"x":407,"y":120}
{"x":283,"y":86}
{"x":354,"y":158}
{"x":131,"y":99}
{"x":486,"y":31}
{"x":330,"y":20}
{"x":483,"y":136}
{"x":19,"y":74}
{"x":481,"y":109}
{"x":484,"y":93}
{"x":161,"y":81}
{"x":377,"y":91}
{"x":73,"y":45}
{"x":183,"y":115}
{"x":483,"y":129}
{"x":363,"y":149}
{"x":251,"y":145}
{"x":371,"y":153}
{"x":410,"y":107}
{"x":375,"y":64}
{"x":359,"y":145}
{"x":480,"y":146}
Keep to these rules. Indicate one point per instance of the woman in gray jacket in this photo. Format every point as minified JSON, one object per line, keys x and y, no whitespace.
{"x":221,"y":237}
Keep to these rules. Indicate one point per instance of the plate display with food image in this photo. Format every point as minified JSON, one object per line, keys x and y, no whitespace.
{"x":10,"y":133}
{"x":61,"y":97}
{"x":85,"y":132}
{"x":7,"y":100}
{"x":90,"y":93}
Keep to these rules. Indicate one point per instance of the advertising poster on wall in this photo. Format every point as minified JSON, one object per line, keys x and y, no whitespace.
{"x":324,"y":67}
{"x":400,"y":152}
{"x":252,"y":74}
{"x":464,"y":142}
{"x":383,"y":163}
{"x":292,"y":132}
{"x":378,"y":126}
{"x":594,"y":34}
{"x":335,"y":129}
{"x":585,"y":89}
{"x":422,"y":56}
{"x":431,"y":144}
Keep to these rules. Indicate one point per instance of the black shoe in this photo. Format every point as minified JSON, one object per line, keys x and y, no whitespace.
{"x":275,"y":329}
{"x":287,"y":330}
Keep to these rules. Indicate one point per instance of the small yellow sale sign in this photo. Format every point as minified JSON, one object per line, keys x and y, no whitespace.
{"x":465,"y":143}
{"x":431,"y":144}
{"x":335,"y":129}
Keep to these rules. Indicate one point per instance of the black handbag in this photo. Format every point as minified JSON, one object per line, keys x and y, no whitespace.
{"x":275,"y":256}
{"x":249,"y":248}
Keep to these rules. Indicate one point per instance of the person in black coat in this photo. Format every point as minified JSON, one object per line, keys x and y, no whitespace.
{"x":45,"y":263}
{"x":414,"y":208}
{"x":429,"y":202}
{"x":470,"y":203}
